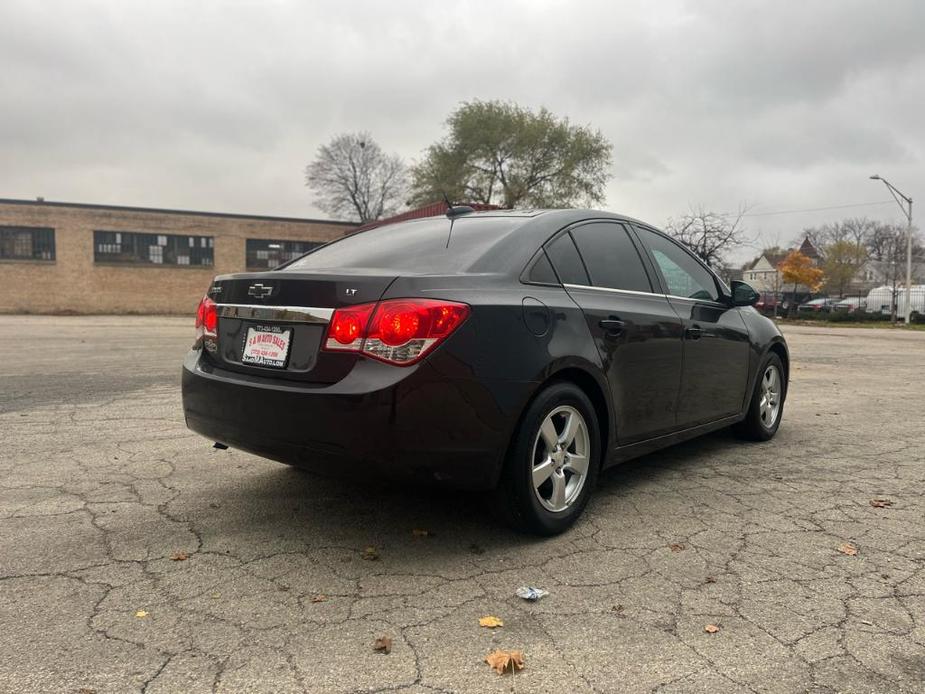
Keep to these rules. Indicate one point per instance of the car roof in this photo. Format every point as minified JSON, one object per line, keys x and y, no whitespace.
{"x":512,"y":252}
{"x":508,"y":253}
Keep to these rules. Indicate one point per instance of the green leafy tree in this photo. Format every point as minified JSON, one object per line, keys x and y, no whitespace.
{"x":841,"y":262}
{"x":500,"y":153}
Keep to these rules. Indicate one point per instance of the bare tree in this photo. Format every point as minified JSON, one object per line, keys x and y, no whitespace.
{"x":887,"y":245}
{"x":709,"y":234}
{"x":855,"y":231}
{"x":353,"y":178}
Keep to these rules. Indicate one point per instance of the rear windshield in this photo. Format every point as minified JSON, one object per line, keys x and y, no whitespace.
{"x":419,"y":246}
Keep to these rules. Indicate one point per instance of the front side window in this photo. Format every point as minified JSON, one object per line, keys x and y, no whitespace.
{"x":266,"y":254}
{"x":611,"y":257}
{"x":27,"y":243}
{"x":133,"y":248}
{"x":685,"y":276}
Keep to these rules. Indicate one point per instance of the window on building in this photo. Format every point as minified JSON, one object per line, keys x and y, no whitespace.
{"x":266,"y":254}
{"x":135,"y":248}
{"x":27,"y":243}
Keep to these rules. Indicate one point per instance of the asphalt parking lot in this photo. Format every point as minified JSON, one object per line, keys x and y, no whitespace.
{"x":134,"y":557}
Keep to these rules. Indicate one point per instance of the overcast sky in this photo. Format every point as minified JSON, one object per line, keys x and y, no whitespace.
{"x":219,"y":105}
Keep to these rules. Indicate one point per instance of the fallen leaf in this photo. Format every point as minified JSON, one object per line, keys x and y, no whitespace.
{"x":319,"y":598}
{"x":216,"y":596}
{"x":490,"y":622}
{"x":86,"y":690}
{"x":179,"y":556}
{"x":383,"y":645}
{"x":848,"y":549}
{"x":501,"y":661}
{"x":711,"y":579}
{"x":711,"y":628}
{"x":617,"y":608}
{"x":371,"y":554}
{"x":141,"y":614}
{"x":880,"y":503}
{"x":420,"y":532}
{"x":676,"y":547}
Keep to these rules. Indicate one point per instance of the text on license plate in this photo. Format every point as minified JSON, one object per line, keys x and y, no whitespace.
{"x":267,"y":346}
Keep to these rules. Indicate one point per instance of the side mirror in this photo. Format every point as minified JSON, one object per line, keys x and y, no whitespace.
{"x":743,"y":294}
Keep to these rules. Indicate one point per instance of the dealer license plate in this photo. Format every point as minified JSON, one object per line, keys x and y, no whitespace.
{"x":267,"y":346}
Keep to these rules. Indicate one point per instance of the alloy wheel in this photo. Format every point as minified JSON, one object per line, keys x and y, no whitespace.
{"x":561,"y":454}
{"x":769,"y":404}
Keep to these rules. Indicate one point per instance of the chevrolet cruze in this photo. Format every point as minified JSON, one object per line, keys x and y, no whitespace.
{"x":519,"y":352}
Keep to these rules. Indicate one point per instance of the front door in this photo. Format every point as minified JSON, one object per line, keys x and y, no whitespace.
{"x":716,"y":342}
{"x":636,"y":331}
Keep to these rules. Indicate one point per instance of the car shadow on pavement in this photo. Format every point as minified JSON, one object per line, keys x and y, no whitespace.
{"x":287,"y":510}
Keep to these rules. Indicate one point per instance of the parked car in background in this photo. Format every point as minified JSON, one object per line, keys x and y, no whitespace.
{"x":823,"y":305}
{"x":516,"y":352}
{"x":768,"y":302}
{"x":850,"y":304}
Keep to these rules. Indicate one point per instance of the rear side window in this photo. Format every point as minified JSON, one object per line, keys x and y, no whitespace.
{"x":611,"y":257}
{"x":685,"y":276}
{"x":565,"y":259}
{"x":541,"y":271}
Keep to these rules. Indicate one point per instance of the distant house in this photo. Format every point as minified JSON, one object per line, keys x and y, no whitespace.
{"x":877,"y":273}
{"x":810,"y":251}
{"x":764,"y":276}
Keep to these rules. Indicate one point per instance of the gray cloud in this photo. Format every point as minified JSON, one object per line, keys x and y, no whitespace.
{"x":219,"y":105}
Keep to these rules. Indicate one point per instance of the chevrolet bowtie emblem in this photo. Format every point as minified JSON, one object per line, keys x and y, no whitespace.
{"x":259,"y":291}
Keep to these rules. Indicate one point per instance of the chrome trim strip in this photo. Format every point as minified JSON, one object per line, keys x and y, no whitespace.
{"x":615,"y":291}
{"x":634,"y":292}
{"x":285,"y":314}
{"x":697,"y":301}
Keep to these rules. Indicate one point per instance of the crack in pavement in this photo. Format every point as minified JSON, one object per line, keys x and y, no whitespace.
{"x":99,"y":488}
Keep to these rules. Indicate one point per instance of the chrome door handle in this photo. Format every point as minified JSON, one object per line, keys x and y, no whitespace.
{"x":694,"y":333}
{"x":612,"y":326}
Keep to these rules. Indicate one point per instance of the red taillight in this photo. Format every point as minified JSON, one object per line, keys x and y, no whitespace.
{"x":348,"y":327}
{"x":397,"y":331}
{"x":206,"y":318}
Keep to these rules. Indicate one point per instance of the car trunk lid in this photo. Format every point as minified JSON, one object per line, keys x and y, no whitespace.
{"x":272,"y":324}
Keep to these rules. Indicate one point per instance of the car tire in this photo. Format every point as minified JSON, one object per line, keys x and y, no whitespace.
{"x":763,"y":418}
{"x":543,"y":488}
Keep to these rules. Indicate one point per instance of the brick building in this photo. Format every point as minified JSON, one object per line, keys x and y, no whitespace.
{"x":58,"y":257}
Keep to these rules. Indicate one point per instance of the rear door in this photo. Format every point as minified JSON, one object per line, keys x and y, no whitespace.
{"x":716,"y":342}
{"x":636,"y":331}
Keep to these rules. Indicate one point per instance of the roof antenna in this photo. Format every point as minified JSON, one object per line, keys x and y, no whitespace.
{"x":455,"y":210}
{"x":452,"y":212}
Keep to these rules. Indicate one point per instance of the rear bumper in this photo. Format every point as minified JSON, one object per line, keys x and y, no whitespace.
{"x":410,"y":423}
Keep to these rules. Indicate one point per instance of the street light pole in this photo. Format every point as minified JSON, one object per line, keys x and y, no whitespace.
{"x":900,"y":199}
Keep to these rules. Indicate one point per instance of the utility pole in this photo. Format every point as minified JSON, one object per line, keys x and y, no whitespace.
{"x":900,"y":199}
